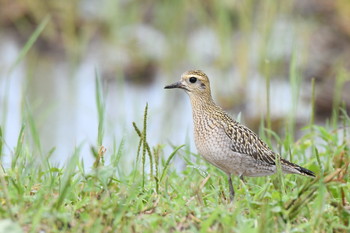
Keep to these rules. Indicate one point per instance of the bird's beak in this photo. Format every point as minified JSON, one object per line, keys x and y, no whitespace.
{"x":175,"y":85}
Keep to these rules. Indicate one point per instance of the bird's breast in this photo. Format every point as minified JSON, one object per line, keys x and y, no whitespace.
{"x":213,"y":144}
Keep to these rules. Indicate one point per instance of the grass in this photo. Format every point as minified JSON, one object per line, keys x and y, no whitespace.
{"x":43,"y":197}
{"x":39,"y":196}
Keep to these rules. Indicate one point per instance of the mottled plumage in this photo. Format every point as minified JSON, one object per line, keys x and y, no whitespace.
{"x":224,"y":142}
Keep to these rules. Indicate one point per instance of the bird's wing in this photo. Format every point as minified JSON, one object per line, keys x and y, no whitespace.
{"x":245,"y":141}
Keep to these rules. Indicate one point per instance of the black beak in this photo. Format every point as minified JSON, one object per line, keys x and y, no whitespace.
{"x":174,"y":85}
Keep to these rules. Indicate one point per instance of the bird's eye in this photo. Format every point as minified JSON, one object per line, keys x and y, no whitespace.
{"x":193,"y":80}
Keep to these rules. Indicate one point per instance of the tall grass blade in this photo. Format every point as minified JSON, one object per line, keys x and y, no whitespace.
{"x":313,"y":99}
{"x":119,"y":154}
{"x":1,"y":141}
{"x":318,"y":159}
{"x":33,"y":128}
{"x":30,"y":42}
{"x":23,"y":52}
{"x":295,"y":81}
{"x":140,"y":142}
{"x":144,"y":135}
{"x":19,"y":147}
{"x":146,"y":147}
{"x":101,"y":108}
{"x":168,"y":161}
{"x":156,"y":154}
{"x":67,"y":178}
{"x":339,"y":82}
{"x":268,"y":95}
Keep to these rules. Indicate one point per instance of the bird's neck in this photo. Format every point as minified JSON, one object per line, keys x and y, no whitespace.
{"x":202,"y":106}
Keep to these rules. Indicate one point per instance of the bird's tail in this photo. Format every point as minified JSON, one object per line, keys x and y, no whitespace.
{"x":294,"y":168}
{"x":305,"y":171}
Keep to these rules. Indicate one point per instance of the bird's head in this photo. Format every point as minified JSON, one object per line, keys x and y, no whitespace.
{"x":194,"y":82}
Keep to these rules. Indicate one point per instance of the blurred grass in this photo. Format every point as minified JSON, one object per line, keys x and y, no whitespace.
{"x":40,"y":196}
{"x":44,"y":197}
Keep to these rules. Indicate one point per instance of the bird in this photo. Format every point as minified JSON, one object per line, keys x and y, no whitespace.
{"x":223,"y":141}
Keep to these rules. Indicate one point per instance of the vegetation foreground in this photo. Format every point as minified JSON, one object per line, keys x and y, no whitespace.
{"x":155,"y":197}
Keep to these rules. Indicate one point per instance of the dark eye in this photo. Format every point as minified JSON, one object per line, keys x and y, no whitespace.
{"x":193,"y":80}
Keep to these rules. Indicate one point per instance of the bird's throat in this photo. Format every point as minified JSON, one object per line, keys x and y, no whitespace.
{"x":202,"y":105}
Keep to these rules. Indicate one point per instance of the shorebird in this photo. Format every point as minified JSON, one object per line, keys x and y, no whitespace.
{"x":224,"y":142}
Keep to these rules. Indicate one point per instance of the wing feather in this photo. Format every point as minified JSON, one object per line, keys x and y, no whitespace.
{"x":245,"y":141}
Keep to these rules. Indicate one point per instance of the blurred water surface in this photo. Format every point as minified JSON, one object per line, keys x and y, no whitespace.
{"x":63,"y":105}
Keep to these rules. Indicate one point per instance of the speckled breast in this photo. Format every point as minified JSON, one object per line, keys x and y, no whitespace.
{"x":214,"y":145}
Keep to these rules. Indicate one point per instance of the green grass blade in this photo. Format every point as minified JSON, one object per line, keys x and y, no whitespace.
{"x":1,"y":142}
{"x":101,"y":108}
{"x":313,"y":99}
{"x":19,"y":147}
{"x":32,"y":126}
{"x":67,"y":179}
{"x":30,"y":42}
{"x":168,"y":161}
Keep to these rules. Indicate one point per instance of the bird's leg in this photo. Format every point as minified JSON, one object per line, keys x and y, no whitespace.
{"x":232,"y":191}
{"x":242,"y":178}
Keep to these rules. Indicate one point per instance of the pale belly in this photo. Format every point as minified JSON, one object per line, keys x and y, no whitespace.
{"x":215,"y":148}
